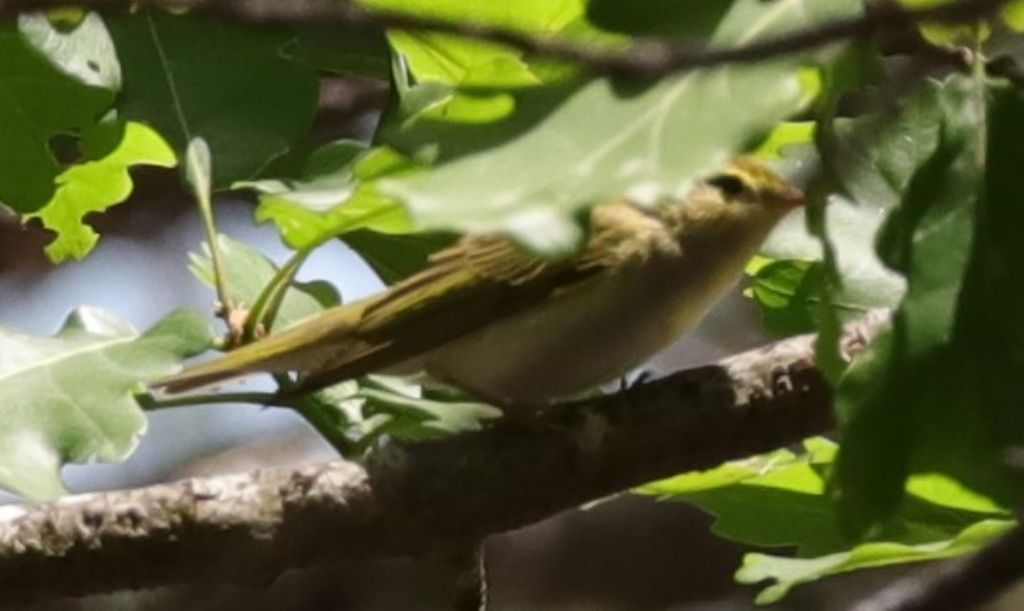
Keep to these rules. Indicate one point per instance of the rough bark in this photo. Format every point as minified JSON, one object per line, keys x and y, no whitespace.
{"x":430,"y":497}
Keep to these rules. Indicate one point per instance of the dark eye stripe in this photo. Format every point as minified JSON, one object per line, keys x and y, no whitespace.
{"x":729,"y":184}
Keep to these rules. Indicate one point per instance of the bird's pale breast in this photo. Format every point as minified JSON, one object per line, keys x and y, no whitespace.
{"x":591,"y":333}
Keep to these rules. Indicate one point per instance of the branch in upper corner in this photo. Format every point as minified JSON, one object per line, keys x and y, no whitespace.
{"x":428,"y":497}
{"x":958,"y":585}
{"x":651,"y":58}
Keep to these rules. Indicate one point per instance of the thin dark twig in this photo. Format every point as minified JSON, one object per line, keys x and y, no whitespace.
{"x":958,"y":586}
{"x":646,"y":58}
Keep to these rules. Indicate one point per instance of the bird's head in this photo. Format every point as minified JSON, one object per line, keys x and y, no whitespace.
{"x":745,"y":192}
{"x":748,"y":181}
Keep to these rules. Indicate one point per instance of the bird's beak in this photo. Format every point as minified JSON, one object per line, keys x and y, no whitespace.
{"x":792,"y":197}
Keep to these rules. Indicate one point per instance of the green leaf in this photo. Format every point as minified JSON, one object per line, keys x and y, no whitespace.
{"x":236,"y":90}
{"x":95,"y":186}
{"x":350,"y":52}
{"x":336,"y":414}
{"x":875,"y":164}
{"x":786,"y":573}
{"x":785,"y":293}
{"x":466,"y":63}
{"x":528,"y":15}
{"x":353,"y":416}
{"x":248,"y":271}
{"x":785,"y":135}
{"x":449,"y":78}
{"x":782,"y":485}
{"x":793,"y":508}
{"x":1013,"y":14}
{"x":785,"y":488}
{"x":985,"y":359}
{"x":852,"y":227}
{"x":612,"y":140}
{"x":947,"y":34}
{"x":83,"y":50}
{"x":909,"y":380}
{"x":43,"y":98}
{"x":405,"y":415}
{"x":69,"y":398}
{"x":334,"y":195}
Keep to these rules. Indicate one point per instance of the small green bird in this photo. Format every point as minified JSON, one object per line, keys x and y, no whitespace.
{"x":489,"y":318}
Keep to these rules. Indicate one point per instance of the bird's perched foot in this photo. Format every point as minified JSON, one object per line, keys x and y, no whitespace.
{"x":636,"y":378}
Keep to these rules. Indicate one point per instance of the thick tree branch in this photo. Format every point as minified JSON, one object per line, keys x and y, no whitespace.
{"x":652,"y":58}
{"x":435,"y":497}
{"x":958,"y":585}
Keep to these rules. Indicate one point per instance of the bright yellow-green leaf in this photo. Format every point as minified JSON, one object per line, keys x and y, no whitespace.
{"x":786,"y":573}
{"x":335,"y":195}
{"x":1013,"y":14}
{"x":95,"y":186}
{"x":949,"y":35}
{"x":785,"y":134}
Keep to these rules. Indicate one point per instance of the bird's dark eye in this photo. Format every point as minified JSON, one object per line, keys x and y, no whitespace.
{"x":728,"y":184}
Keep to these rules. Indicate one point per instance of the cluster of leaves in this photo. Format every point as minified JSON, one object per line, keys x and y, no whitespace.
{"x":922,"y":218}
{"x":789,"y":490}
{"x":483,"y":137}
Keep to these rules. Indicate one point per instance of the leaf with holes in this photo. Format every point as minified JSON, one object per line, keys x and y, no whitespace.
{"x":95,"y":186}
{"x":45,"y":95}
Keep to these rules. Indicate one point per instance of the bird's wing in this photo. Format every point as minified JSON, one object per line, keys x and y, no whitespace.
{"x":464,"y":287}
{"x":481,"y":279}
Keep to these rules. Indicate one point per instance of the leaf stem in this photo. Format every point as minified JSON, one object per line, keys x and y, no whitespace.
{"x":198,"y":173}
{"x":264,"y":310}
{"x":219,"y":280}
{"x":978,"y":73}
{"x":149,"y":402}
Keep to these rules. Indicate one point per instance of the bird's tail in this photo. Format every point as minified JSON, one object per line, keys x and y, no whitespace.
{"x":305,"y":346}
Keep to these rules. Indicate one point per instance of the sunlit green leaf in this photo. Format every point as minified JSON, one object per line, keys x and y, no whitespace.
{"x":949,"y":34}
{"x":247,"y":271}
{"x":353,"y":415}
{"x":1013,"y":14}
{"x":83,"y":49}
{"x":334,"y":195}
{"x":461,"y":63}
{"x":793,"y":508}
{"x":95,"y":186}
{"x":786,"y":573}
{"x":412,"y":417}
{"x":69,"y":398}
{"x":785,"y":135}
{"x":612,"y":139}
